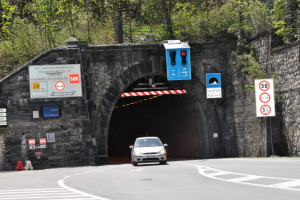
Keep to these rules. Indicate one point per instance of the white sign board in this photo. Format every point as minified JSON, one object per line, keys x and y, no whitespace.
{"x":3,"y":118}
{"x":264,"y":96}
{"x":50,"y":137}
{"x":55,"y":81}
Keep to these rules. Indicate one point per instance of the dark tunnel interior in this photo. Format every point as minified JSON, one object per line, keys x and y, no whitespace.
{"x":175,"y":119}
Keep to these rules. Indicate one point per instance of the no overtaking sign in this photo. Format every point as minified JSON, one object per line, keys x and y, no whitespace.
{"x":264,"y":95}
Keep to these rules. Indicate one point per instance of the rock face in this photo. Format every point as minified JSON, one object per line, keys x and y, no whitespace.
{"x":225,"y":127}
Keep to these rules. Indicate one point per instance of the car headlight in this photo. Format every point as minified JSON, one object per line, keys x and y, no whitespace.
{"x":137,"y":153}
{"x":163,"y":151}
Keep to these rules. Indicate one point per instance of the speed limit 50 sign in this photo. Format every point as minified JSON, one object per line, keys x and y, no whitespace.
{"x":264,"y":95}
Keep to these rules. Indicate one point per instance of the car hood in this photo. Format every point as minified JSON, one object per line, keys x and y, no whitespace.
{"x":144,"y":150}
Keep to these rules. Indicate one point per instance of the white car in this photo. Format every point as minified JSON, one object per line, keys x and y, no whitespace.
{"x":148,"y":149}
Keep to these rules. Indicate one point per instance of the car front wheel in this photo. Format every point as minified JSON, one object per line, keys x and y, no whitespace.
{"x":134,"y":163}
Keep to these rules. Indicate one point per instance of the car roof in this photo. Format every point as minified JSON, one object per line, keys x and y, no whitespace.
{"x":147,"y":138}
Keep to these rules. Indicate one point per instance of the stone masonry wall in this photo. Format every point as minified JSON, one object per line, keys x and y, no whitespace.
{"x":283,"y":63}
{"x":73,"y":143}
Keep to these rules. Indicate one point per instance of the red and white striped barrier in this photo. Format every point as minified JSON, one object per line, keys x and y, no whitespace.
{"x":148,"y":93}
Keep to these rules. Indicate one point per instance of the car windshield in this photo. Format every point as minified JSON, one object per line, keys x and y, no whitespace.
{"x":148,"y":142}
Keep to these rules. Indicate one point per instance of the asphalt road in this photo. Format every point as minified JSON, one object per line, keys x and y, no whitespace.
{"x":213,"y":179}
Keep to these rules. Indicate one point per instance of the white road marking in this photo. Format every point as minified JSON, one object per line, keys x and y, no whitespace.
{"x":62,"y":184}
{"x":219,"y":173}
{"x":245,"y":178}
{"x":44,"y":193}
{"x":63,"y":192}
{"x":287,"y":184}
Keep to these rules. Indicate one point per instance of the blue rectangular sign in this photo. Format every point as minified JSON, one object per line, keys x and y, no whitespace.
{"x":178,"y":64}
{"x":213,"y":80}
{"x":51,"y":111}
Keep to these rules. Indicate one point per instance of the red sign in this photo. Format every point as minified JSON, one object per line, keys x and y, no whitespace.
{"x":31,"y":141}
{"x":265,"y":109}
{"x":60,"y":86}
{"x":264,"y":97}
{"x":74,"y":78}
{"x":264,"y":85}
{"x":43,"y":141}
{"x":38,"y":153}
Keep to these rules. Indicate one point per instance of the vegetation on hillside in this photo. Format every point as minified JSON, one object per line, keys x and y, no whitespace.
{"x":29,"y":27}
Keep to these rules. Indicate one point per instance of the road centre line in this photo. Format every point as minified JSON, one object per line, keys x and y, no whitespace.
{"x":286,"y":183}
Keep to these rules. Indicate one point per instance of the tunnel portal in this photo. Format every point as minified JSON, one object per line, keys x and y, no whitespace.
{"x":175,"y":119}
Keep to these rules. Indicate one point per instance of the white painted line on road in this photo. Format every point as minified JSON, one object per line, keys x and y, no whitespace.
{"x":219,"y":173}
{"x":286,"y":183}
{"x":245,"y":178}
{"x":62,"y":184}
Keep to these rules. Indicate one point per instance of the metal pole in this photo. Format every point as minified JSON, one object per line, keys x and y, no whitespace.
{"x":271,"y":137}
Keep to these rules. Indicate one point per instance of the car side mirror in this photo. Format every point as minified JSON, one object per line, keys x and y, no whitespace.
{"x":131,"y":147}
{"x":165,"y":145}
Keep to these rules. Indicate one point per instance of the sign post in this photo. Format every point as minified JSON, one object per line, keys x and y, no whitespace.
{"x":265,"y":105}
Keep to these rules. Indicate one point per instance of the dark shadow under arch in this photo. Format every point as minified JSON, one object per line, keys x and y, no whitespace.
{"x":136,"y":72}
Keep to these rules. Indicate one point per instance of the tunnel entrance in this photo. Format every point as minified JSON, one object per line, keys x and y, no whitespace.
{"x":176,"y":119}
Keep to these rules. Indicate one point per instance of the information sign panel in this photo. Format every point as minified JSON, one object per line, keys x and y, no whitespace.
{"x":55,"y":81}
{"x":51,"y":111}
{"x":264,"y":95}
{"x":213,"y":86}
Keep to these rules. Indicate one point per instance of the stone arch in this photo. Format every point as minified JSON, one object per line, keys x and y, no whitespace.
{"x":195,"y":88}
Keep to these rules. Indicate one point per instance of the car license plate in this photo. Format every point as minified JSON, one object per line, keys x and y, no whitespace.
{"x":150,"y":156}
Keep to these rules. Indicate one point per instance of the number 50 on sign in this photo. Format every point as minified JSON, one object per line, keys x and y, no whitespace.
{"x":264,"y":95}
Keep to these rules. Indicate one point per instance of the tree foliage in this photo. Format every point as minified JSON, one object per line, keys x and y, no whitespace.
{"x":29,"y":27}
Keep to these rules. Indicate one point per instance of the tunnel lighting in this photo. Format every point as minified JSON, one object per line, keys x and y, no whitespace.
{"x":139,"y":101}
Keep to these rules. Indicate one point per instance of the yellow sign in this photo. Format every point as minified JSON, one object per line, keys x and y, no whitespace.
{"x":36,"y":86}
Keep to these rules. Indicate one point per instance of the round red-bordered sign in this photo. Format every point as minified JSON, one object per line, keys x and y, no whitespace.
{"x":264,"y":85}
{"x":264,"y":97}
{"x":60,"y":86}
{"x":265,"y":109}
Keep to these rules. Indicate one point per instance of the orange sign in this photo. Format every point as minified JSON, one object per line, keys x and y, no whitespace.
{"x":43,"y":141}
{"x":31,"y":141}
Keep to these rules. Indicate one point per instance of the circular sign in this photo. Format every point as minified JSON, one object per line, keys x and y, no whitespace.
{"x":59,"y":85}
{"x":265,"y":109}
{"x":264,"y":97}
{"x":264,"y":85}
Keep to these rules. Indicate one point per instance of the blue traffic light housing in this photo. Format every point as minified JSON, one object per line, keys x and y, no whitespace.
{"x":178,"y":60}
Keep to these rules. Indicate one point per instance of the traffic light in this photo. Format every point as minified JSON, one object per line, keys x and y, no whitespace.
{"x":178,"y":60}
{"x":173,"y":57}
{"x":183,"y":57}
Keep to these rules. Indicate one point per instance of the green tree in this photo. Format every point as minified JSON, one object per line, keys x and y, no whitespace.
{"x":7,"y":13}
